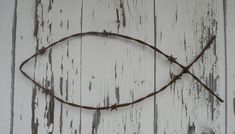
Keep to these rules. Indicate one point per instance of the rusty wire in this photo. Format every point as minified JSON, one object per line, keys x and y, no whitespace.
{"x":170,"y":58}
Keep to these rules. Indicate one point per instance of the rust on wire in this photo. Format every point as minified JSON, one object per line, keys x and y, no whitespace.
{"x":170,"y":58}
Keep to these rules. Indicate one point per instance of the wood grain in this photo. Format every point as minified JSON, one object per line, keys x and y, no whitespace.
{"x":182,"y":29}
{"x":102,"y":71}
{"x":230,"y":66}
{"x":5,"y":64}
{"x":117,"y":71}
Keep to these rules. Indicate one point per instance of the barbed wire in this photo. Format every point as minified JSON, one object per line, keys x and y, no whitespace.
{"x":115,"y":106}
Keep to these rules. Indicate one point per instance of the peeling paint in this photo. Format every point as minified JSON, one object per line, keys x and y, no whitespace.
{"x":97,"y":114}
{"x":212,"y":84}
{"x":191,"y":129}
{"x":50,"y":5}
{"x":96,"y":122}
{"x":42,"y":23}
{"x":50,"y":25}
{"x":61,"y":85}
{"x":185,"y":47}
{"x":50,"y":112}
{"x":122,"y":68}
{"x":36,"y":21}
{"x":118,"y":20}
{"x":67,"y":87}
{"x":61,"y":24}
{"x":123,"y":13}
{"x":90,"y":85}
{"x":50,"y":57}
{"x":186,"y":110}
{"x":107,"y":101}
{"x":34,"y":125}
{"x":67,"y":24}
{"x":61,"y":68}
{"x":176,"y":14}
{"x":115,"y":70}
{"x":93,"y":14}
{"x":117,"y":94}
{"x":182,"y":97}
{"x":37,"y":48}
{"x":71,"y":124}
{"x":140,"y":20}
{"x":61,"y":118}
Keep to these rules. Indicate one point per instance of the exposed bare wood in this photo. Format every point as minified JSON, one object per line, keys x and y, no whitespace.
{"x":104,"y":71}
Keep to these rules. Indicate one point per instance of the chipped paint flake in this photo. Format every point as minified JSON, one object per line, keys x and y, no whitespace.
{"x":96,"y":122}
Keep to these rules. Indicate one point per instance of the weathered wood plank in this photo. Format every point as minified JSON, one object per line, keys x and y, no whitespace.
{"x":102,"y":71}
{"x":183,"y":28}
{"x":59,"y":69}
{"x":6,"y":60}
{"x":116,"y":70}
{"x":50,"y":21}
{"x":24,"y":46}
{"x":230,"y":66}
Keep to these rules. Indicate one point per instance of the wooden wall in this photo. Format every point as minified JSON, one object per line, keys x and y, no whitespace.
{"x":102,"y":71}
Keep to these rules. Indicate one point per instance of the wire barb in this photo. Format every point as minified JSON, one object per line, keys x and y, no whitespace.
{"x":172,"y":59}
{"x":114,"y":107}
{"x":106,"y":33}
{"x":42,"y":50}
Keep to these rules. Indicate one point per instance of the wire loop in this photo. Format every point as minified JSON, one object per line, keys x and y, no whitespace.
{"x":170,"y":58}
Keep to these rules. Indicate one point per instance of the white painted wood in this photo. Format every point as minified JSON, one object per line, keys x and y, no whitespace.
{"x":230,"y":28}
{"x":59,"y":69}
{"x":24,"y":46}
{"x":6,"y":15}
{"x":183,"y":28}
{"x":116,"y":70}
{"x":100,"y":71}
